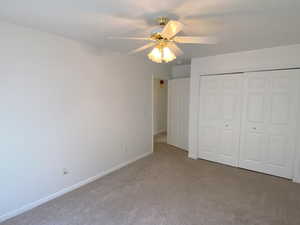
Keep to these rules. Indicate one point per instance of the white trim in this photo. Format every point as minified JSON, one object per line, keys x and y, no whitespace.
{"x":260,"y":59}
{"x":296,"y":171}
{"x":152,"y":113}
{"x":179,"y":148}
{"x":194,"y":116}
{"x":182,"y":77}
{"x":169,"y":93}
{"x":63,"y":191}
{"x":159,"y":132}
{"x":296,"y":180}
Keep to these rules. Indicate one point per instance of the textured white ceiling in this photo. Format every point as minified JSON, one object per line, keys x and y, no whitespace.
{"x":238,"y":24}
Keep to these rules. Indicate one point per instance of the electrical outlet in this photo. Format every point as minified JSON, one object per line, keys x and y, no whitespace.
{"x":65,"y":171}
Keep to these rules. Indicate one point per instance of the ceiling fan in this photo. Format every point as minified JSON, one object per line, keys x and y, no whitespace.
{"x":164,"y":39}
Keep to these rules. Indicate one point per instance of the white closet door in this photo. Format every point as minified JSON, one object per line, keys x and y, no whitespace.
{"x":269,"y":122}
{"x":178,"y":112}
{"x":219,"y":118}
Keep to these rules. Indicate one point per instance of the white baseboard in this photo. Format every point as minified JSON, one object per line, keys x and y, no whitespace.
{"x":296,"y":180}
{"x":32,"y":205}
{"x":159,"y":131}
{"x":177,"y":146}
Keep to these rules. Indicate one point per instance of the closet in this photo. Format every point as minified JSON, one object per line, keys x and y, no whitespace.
{"x":249,"y":120}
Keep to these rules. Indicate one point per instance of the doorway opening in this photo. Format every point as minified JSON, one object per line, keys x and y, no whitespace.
{"x":160,"y":110}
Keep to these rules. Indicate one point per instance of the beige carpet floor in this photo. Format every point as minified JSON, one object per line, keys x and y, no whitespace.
{"x":167,"y":188}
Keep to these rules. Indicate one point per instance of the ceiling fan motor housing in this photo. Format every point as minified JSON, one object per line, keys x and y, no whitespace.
{"x":156,"y":36}
{"x":156,"y":33}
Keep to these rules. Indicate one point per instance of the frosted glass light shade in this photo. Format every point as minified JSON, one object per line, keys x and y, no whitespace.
{"x":156,"y":55}
{"x":168,"y":55}
{"x":161,"y":54}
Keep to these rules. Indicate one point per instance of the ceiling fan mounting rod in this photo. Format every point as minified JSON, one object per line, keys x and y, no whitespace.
{"x":162,"y":21}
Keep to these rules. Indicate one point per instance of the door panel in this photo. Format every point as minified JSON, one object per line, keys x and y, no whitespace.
{"x":208,"y":136}
{"x":255,"y":107}
{"x":178,"y":111}
{"x":230,"y":102}
{"x":254,"y":145}
{"x":268,"y":123}
{"x":219,"y":118}
{"x":208,"y":118}
{"x":280,"y":105}
{"x":276,"y":151}
{"x":211,"y":106}
{"x":227,"y":141}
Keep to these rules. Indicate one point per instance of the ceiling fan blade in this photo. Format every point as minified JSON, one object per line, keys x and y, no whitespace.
{"x":171,"y":29}
{"x":175,"y":48}
{"x":131,"y":38}
{"x":195,"y":40}
{"x":222,"y":14}
{"x":143,"y":48}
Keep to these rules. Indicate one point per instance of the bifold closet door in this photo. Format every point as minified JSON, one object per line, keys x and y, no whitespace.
{"x":219,"y":118}
{"x":269,"y":122}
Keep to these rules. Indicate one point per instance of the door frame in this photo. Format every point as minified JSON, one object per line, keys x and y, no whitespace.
{"x":152,"y":112}
{"x":153,"y":79}
{"x":296,"y":170}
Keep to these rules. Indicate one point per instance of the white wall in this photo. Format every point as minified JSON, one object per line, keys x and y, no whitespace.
{"x":178,"y":112}
{"x":180,"y":71}
{"x":64,"y":105}
{"x":160,"y":104}
{"x":270,"y":58}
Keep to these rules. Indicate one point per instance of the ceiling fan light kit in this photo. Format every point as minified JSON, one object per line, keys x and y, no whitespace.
{"x":164,"y":41}
{"x":161,"y":53}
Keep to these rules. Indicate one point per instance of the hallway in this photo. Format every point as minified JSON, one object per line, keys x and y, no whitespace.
{"x":160,"y":138}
